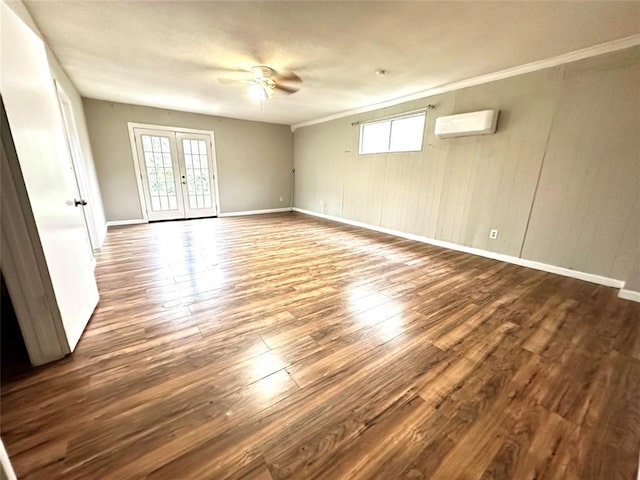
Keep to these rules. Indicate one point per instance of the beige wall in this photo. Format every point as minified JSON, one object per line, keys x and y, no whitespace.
{"x":586,"y":214}
{"x":254,"y":158}
{"x":559,"y":179}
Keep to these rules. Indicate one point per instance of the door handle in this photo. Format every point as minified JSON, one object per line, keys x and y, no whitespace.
{"x":80,"y":202}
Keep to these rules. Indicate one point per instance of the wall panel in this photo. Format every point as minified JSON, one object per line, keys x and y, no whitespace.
{"x":559,"y":179}
{"x":586,"y":213}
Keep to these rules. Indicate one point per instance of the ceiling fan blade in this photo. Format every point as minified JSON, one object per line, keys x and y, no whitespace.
{"x":287,"y":77}
{"x":228,"y":72}
{"x":231,"y":75}
{"x":285,"y":89}
{"x":232,"y":81}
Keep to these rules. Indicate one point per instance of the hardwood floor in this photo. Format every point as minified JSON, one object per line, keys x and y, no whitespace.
{"x":282,"y":346}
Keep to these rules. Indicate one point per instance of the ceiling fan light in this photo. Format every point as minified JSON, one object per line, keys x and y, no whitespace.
{"x":258,"y":92}
{"x":261,"y":71}
{"x":270,"y":88}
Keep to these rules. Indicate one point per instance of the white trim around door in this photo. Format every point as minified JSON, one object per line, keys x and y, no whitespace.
{"x":190,"y":207}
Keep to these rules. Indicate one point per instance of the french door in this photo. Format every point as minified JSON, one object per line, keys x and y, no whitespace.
{"x":177,"y":173}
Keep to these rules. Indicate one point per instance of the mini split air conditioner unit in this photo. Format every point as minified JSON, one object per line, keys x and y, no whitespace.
{"x":474,"y":123}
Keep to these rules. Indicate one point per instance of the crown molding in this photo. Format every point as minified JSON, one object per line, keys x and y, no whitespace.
{"x":583,"y":53}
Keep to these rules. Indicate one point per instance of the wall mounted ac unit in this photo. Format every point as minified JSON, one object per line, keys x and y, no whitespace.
{"x":474,"y":123}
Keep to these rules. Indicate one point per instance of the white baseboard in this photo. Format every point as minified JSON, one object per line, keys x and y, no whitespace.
{"x":629,"y":295}
{"x":567,"y":272}
{"x":225,"y":214}
{"x":254,"y":212}
{"x":135,"y":221}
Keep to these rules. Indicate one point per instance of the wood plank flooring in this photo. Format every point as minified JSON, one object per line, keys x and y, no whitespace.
{"x":282,"y":346}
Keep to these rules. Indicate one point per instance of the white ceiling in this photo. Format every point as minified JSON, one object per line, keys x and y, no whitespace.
{"x":169,"y":54}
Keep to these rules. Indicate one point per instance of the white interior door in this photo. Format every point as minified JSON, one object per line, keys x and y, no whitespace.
{"x":78,"y":167}
{"x":34,"y":117}
{"x":196,"y":162}
{"x":177,"y":171}
{"x":160,"y":173}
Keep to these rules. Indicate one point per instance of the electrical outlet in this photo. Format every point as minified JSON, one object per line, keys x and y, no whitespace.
{"x":282,"y":199}
{"x":493,"y":234}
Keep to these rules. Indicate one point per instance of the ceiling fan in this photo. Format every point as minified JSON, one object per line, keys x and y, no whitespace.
{"x":263,"y":82}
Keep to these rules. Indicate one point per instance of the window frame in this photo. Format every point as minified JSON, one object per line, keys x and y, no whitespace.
{"x":391,"y":120}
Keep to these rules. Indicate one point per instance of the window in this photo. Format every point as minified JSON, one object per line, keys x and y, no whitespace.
{"x":402,"y":134}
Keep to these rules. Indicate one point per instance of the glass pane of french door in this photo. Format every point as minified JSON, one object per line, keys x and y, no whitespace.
{"x":160,"y":174}
{"x":196,"y":162}
{"x":197,"y":169}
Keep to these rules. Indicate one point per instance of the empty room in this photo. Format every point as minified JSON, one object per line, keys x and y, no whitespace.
{"x":331,"y":240}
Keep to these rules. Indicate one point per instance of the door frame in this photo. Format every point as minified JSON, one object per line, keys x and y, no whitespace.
{"x":136,"y":164}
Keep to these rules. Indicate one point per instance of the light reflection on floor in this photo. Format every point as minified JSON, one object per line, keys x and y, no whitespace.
{"x":362,"y":298}
{"x":266,"y":364}
{"x":273,"y":385}
{"x":192,"y":258}
{"x":370,"y":308}
{"x":390,"y":328}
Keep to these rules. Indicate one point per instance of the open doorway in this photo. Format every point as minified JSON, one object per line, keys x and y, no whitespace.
{"x":14,"y":358}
